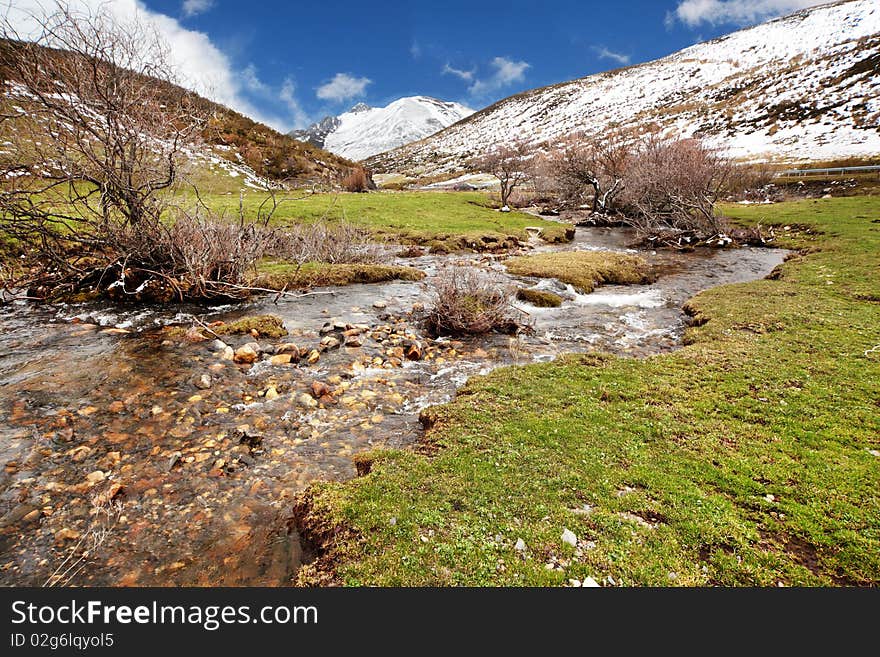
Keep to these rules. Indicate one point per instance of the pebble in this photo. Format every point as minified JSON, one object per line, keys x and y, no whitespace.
{"x":520,"y":545}
{"x":288,"y":348}
{"x":380,"y":304}
{"x":66,"y":534}
{"x":271,"y":393}
{"x":96,"y":477}
{"x":320,"y":389}
{"x":330,"y":342}
{"x":32,"y":516}
{"x":203,"y":382}
{"x":307,"y":400}
{"x":280,"y":359}
{"x":246,"y":354}
{"x":590,"y":583}
{"x":569,"y":537}
{"x":313,"y":357}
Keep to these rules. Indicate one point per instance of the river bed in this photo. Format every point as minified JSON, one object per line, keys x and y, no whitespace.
{"x":131,"y":458}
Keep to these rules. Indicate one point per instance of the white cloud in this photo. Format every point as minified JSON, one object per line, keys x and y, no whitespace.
{"x":467,"y":76}
{"x":343,"y":86}
{"x":737,"y":12}
{"x":202,"y":66}
{"x":195,"y":7}
{"x":605,"y":53}
{"x":288,"y":95}
{"x":415,"y":50}
{"x":252,"y":81}
{"x":507,"y":72}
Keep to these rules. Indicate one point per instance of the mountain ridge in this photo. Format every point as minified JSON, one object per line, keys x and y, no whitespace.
{"x":760,"y":92}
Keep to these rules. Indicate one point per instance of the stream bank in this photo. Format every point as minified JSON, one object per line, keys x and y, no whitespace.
{"x":173,"y":465}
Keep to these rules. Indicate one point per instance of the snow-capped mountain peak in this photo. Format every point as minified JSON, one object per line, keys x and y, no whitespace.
{"x":363,"y":131}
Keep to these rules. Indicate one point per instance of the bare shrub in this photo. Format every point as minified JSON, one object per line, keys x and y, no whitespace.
{"x":750,"y":180}
{"x":193,"y":255}
{"x":356,"y":181}
{"x":510,"y":163}
{"x":672,"y":188}
{"x":592,"y":170}
{"x":335,"y":243}
{"x":544,"y":183}
{"x":468,"y":302}
{"x":98,"y":135}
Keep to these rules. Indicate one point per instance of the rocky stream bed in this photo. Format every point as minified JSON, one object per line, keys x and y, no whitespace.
{"x":136,"y":455}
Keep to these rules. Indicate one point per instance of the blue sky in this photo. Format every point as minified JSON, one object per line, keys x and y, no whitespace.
{"x":290,"y":63}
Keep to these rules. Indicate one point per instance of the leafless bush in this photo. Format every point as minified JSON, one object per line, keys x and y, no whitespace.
{"x":592,"y":170}
{"x":749,"y":180}
{"x":356,"y":181}
{"x":672,"y":187}
{"x":98,"y":133}
{"x":467,"y":301}
{"x":544,"y":183}
{"x":327,"y":242}
{"x":193,"y":255}
{"x":510,"y":163}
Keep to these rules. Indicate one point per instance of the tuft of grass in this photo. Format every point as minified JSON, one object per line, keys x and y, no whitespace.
{"x":539,"y":298}
{"x":747,"y":458}
{"x":268,"y":326}
{"x":276,"y":275}
{"x":585,"y":270}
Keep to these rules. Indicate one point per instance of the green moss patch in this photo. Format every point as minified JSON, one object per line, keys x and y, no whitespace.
{"x":269,"y":326}
{"x":540,"y":298}
{"x":585,"y":270}
{"x":286,"y":276}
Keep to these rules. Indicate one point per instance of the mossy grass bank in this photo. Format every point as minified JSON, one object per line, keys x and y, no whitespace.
{"x":748,"y":457}
{"x":585,"y":270}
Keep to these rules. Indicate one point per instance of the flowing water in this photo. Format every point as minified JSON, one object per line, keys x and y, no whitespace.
{"x":134,"y":457}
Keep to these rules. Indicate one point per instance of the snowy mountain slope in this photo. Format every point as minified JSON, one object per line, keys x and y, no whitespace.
{"x":365,"y":131}
{"x":805,"y":87}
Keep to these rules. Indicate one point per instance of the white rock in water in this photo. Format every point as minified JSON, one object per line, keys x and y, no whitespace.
{"x":520,"y":545}
{"x":569,"y":537}
{"x":590,"y":583}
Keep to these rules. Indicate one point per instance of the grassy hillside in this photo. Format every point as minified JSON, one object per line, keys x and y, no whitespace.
{"x":241,"y":140}
{"x":749,"y":457}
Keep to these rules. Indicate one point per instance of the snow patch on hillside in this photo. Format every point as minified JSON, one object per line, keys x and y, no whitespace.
{"x":800,"y":88}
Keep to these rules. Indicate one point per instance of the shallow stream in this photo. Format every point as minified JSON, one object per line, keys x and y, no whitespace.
{"x":131,"y":458}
